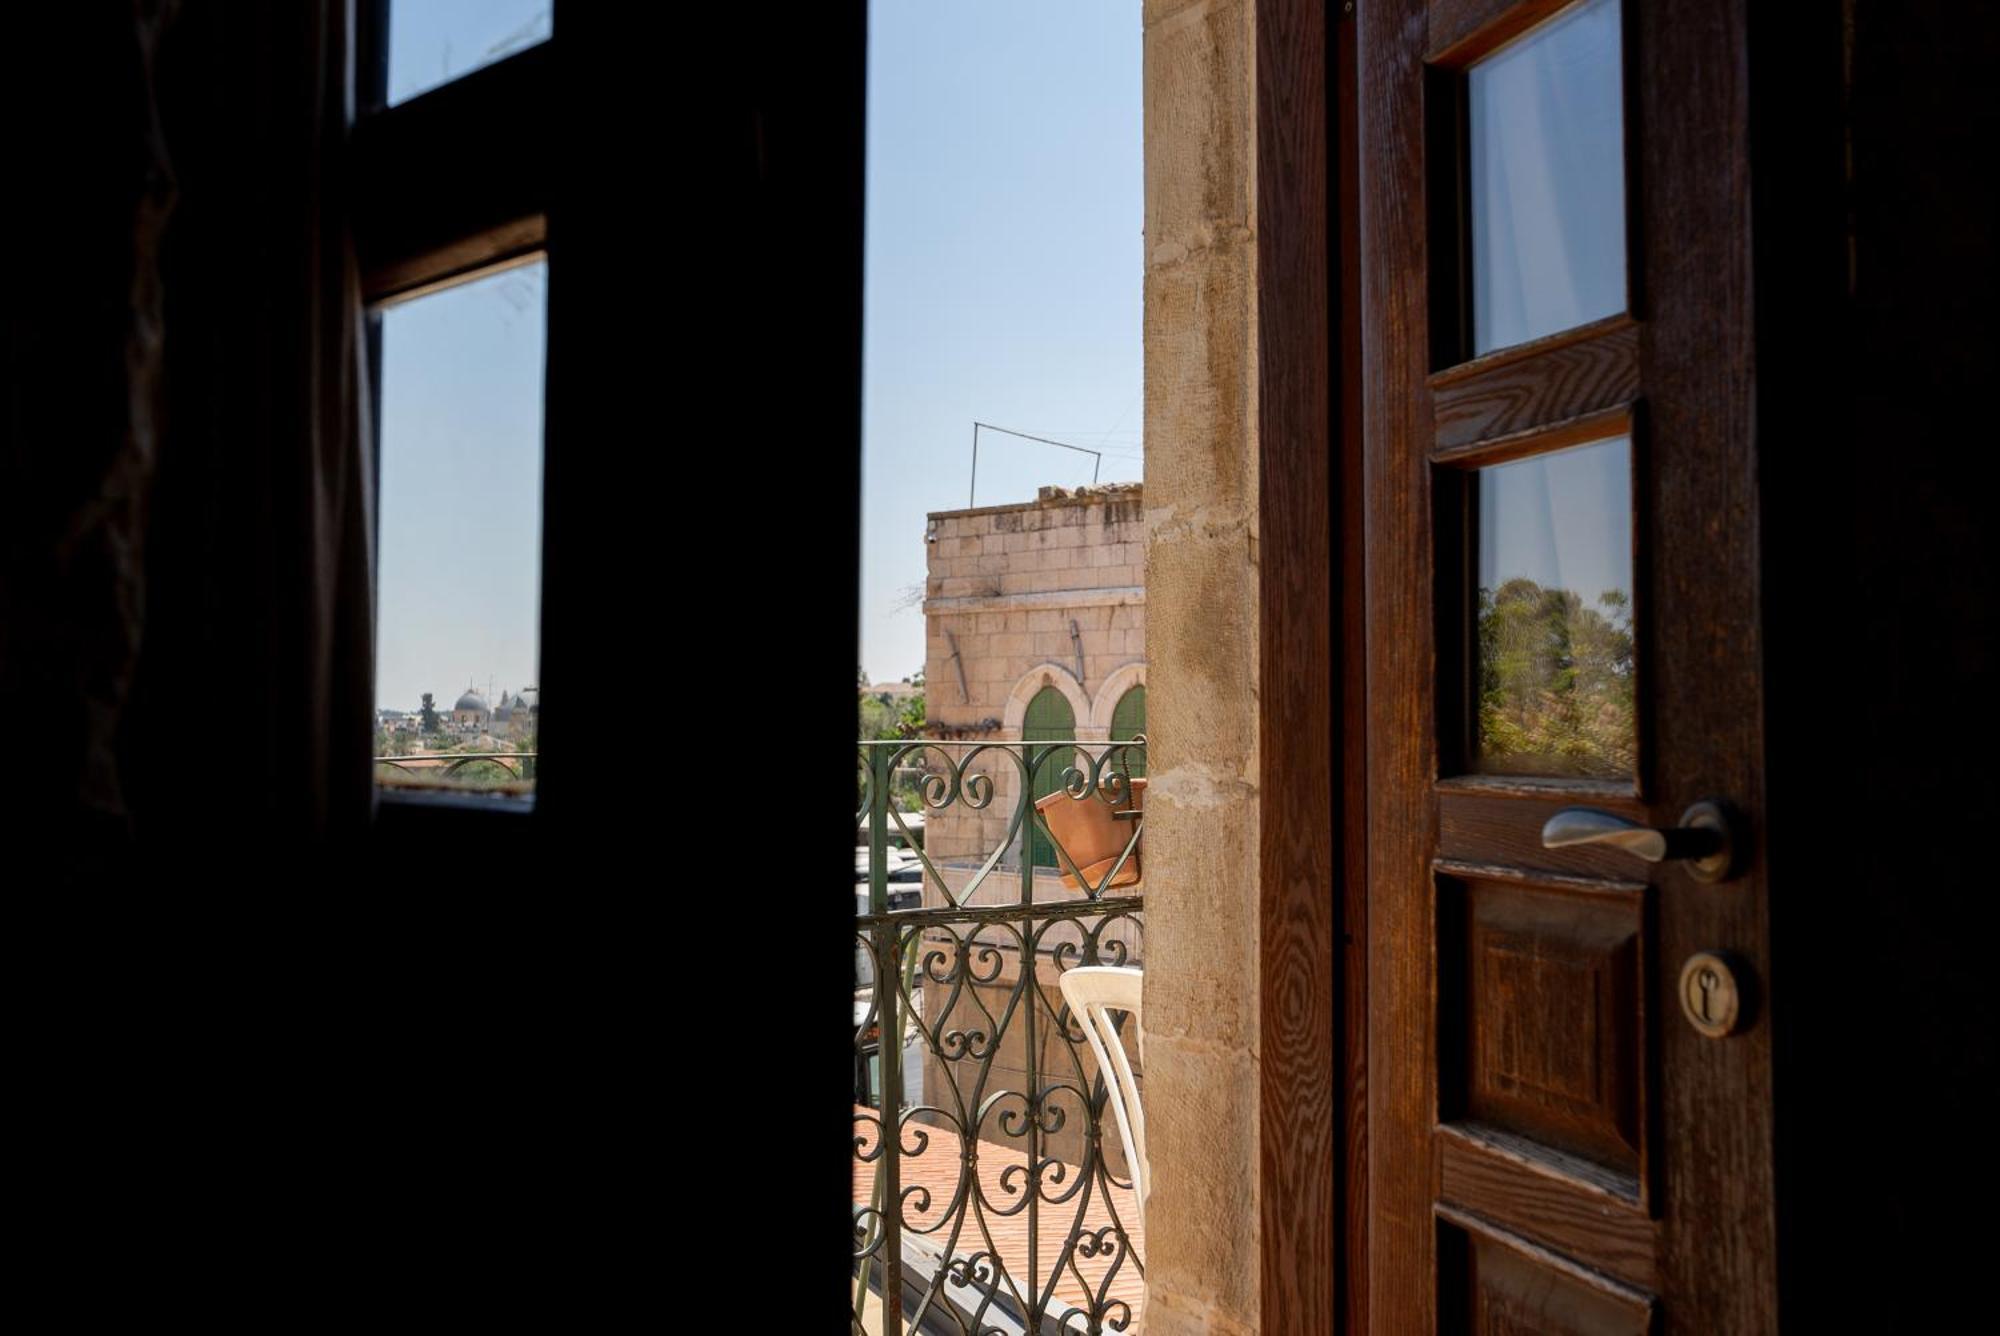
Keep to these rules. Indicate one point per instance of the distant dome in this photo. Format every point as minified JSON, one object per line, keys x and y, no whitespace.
{"x":503,"y":710}
{"x":472,"y":700}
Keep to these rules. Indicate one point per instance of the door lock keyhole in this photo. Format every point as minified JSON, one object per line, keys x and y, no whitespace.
{"x":1712,"y":992}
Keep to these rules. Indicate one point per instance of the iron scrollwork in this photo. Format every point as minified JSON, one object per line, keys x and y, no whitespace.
{"x":1001,"y":1186}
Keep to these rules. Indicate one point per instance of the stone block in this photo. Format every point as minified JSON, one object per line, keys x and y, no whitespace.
{"x":1201,"y":643}
{"x":1201,"y":1120}
{"x":1201,"y":317}
{"x":1201,"y":124}
{"x":1093,"y":619}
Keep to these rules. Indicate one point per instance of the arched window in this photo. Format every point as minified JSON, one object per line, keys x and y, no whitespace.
{"x":1049,"y":719}
{"x":1128,"y":721}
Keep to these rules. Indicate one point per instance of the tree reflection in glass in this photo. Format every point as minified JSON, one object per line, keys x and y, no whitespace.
{"x":1554,"y":654}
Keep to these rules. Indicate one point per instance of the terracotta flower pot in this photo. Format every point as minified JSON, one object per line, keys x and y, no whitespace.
{"x":1092,"y":835}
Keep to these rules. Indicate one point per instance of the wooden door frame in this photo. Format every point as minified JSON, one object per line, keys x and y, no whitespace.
{"x":1312,"y":943}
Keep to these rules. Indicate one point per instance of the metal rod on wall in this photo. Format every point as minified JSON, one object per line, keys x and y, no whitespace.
{"x":1097,"y":456}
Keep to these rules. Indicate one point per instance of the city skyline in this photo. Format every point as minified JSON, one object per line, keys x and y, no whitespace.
{"x":489,"y":691}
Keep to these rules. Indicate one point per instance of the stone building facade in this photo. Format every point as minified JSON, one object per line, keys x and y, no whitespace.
{"x":1048,"y":594}
{"x":1036,"y":626}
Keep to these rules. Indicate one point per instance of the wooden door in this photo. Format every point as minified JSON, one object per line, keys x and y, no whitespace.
{"x":1561,"y":575}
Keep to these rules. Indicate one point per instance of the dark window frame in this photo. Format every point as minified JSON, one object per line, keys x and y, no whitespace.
{"x":451,"y":185}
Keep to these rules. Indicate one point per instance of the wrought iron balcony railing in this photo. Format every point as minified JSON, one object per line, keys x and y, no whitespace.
{"x":436,"y":767}
{"x":991,"y":1186}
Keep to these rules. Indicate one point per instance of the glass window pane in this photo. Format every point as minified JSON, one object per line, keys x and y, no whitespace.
{"x":458,"y":587}
{"x":1548,"y":179}
{"x":1553,"y":663}
{"x":432,"y":42}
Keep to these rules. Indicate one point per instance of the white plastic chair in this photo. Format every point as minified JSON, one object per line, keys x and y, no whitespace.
{"x":1093,"y":991}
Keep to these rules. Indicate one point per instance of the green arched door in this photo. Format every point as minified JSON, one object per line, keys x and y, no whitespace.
{"x":1128,"y":721}
{"x":1049,"y":719}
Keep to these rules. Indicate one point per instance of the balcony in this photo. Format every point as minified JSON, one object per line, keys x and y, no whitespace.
{"x":511,"y":772}
{"x":991,"y":1186}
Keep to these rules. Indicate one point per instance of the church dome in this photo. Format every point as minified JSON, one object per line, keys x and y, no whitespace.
{"x":503,"y":710}
{"x":472,"y":700}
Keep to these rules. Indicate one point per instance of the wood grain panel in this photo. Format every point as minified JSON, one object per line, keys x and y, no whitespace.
{"x":1567,"y":376}
{"x":1571,"y":1205}
{"x":1687,"y":68}
{"x":1497,"y":1283}
{"x":1541,"y":1021}
{"x":1299,"y":734}
{"x":1402,"y":733}
{"x":1507,"y":831}
{"x":1463,"y":30}
{"x":1553,"y":1036}
{"x":1351,"y":1272}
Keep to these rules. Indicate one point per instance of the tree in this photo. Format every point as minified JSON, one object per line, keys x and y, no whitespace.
{"x":1555,"y":681}
{"x":910,"y":724}
{"x":430,"y":714}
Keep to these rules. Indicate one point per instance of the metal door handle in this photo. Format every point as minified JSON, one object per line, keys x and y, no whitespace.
{"x":1705,"y":838}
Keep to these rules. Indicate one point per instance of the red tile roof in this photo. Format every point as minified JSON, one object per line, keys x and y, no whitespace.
{"x":937,"y":1166}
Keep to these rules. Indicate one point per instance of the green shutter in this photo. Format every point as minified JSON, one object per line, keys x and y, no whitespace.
{"x":1128,"y":721}
{"x":1049,"y":719}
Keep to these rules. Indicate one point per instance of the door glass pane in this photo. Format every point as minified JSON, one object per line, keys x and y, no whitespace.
{"x":432,"y":42}
{"x":1553,"y":663}
{"x":1548,"y":179}
{"x":458,"y":588}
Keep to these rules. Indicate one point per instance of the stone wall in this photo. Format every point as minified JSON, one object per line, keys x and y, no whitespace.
{"x":1005,"y":585}
{"x":1201,"y":555}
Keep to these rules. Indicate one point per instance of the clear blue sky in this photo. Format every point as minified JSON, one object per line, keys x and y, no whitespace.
{"x":1004,"y":261}
{"x":458,"y":591}
{"x":1563,"y":520}
{"x":431,"y":41}
{"x":459,"y":586}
